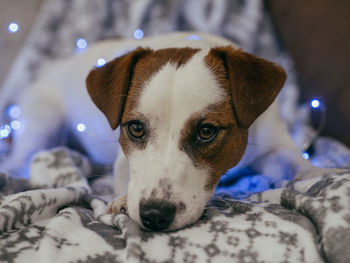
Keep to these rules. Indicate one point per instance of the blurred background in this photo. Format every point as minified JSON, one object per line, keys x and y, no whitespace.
{"x":24,"y":14}
{"x":314,"y":33}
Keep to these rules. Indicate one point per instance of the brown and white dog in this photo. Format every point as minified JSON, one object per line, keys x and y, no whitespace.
{"x":185,"y":108}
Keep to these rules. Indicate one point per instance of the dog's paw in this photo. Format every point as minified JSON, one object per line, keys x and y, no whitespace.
{"x":118,"y":206}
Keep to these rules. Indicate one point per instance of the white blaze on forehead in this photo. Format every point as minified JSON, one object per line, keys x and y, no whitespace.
{"x":174,"y":94}
{"x":167,"y":101}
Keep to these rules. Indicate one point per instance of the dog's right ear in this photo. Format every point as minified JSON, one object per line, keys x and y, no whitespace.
{"x":108,"y":86}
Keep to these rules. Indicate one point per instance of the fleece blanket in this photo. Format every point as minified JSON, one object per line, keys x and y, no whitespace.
{"x":58,"y":215}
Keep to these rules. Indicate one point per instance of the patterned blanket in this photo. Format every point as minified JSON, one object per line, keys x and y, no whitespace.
{"x":58,"y":215}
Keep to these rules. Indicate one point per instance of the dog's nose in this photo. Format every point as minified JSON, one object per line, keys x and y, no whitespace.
{"x":157,"y":215}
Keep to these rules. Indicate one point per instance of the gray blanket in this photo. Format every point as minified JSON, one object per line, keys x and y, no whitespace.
{"x":62,"y":220}
{"x":58,"y":214}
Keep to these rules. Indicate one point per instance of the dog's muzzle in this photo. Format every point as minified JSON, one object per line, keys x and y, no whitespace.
{"x":157,"y":215}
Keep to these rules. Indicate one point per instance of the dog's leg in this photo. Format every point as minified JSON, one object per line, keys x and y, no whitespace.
{"x":121,"y":176}
{"x":273,"y":151}
{"x":118,"y":205}
{"x":287,"y":164}
{"x":42,"y":117}
{"x":282,"y":164}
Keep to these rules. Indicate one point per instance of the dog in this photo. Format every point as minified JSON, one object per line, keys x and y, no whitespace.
{"x":188,"y":109}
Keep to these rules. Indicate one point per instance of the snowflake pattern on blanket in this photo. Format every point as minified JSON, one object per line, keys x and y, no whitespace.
{"x":59,"y":214}
{"x":63,"y":220}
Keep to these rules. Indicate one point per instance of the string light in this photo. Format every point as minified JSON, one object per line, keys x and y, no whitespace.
{"x":81,"y":43}
{"x":14,"y":111}
{"x":193,"y":37}
{"x":81,"y":127}
{"x":5,"y":131}
{"x":306,"y":155}
{"x":16,"y":124}
{"x":315,"y":103}
{"x":100,"y":62}
{"x":138,"y":33}
{"x":316,"y":106}
{"x":13,"y":27}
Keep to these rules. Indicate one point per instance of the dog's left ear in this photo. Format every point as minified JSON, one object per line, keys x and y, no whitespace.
{"x":253,"y":82}
{"x":108,"y":86}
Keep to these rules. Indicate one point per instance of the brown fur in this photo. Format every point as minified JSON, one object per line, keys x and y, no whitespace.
{"x":148,"y":66}
{"x":142,"y":72}
{"x":225,"y":150}
{"x":108,"y":86}
{"x":116,"y":87}
{"x":253,"y":82}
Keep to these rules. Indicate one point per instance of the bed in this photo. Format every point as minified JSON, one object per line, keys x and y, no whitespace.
{"x":58,"y":213}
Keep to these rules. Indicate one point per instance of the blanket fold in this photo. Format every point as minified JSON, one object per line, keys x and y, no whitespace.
{"x":63,"y":219}
{"x":58,"y":214}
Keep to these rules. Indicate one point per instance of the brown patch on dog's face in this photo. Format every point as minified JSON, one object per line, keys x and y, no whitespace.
{"x":224,"y":151}
{"x":143,"y":71}
{"x":173,"y":99}
{"x":253,"y":82}
{"x":108,"y":86}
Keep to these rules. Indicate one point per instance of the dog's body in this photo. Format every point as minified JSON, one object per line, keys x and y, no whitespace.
{"x":184,"y":105}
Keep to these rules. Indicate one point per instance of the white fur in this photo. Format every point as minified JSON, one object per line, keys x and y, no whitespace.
{"x":167,"y":101}
{"x":60,"y":98}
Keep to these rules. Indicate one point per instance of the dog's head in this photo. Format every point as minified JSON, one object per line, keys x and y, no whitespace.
{"x":184,"y":116}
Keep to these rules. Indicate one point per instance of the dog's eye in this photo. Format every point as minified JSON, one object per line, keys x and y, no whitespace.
{"x":206,"y":133}
{"x":136,"y":129}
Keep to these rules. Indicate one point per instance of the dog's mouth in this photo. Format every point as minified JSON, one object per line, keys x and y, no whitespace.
{"x":167,"y":204}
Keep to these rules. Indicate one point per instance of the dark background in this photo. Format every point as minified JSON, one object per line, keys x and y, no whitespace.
{"x":317,"y":35}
